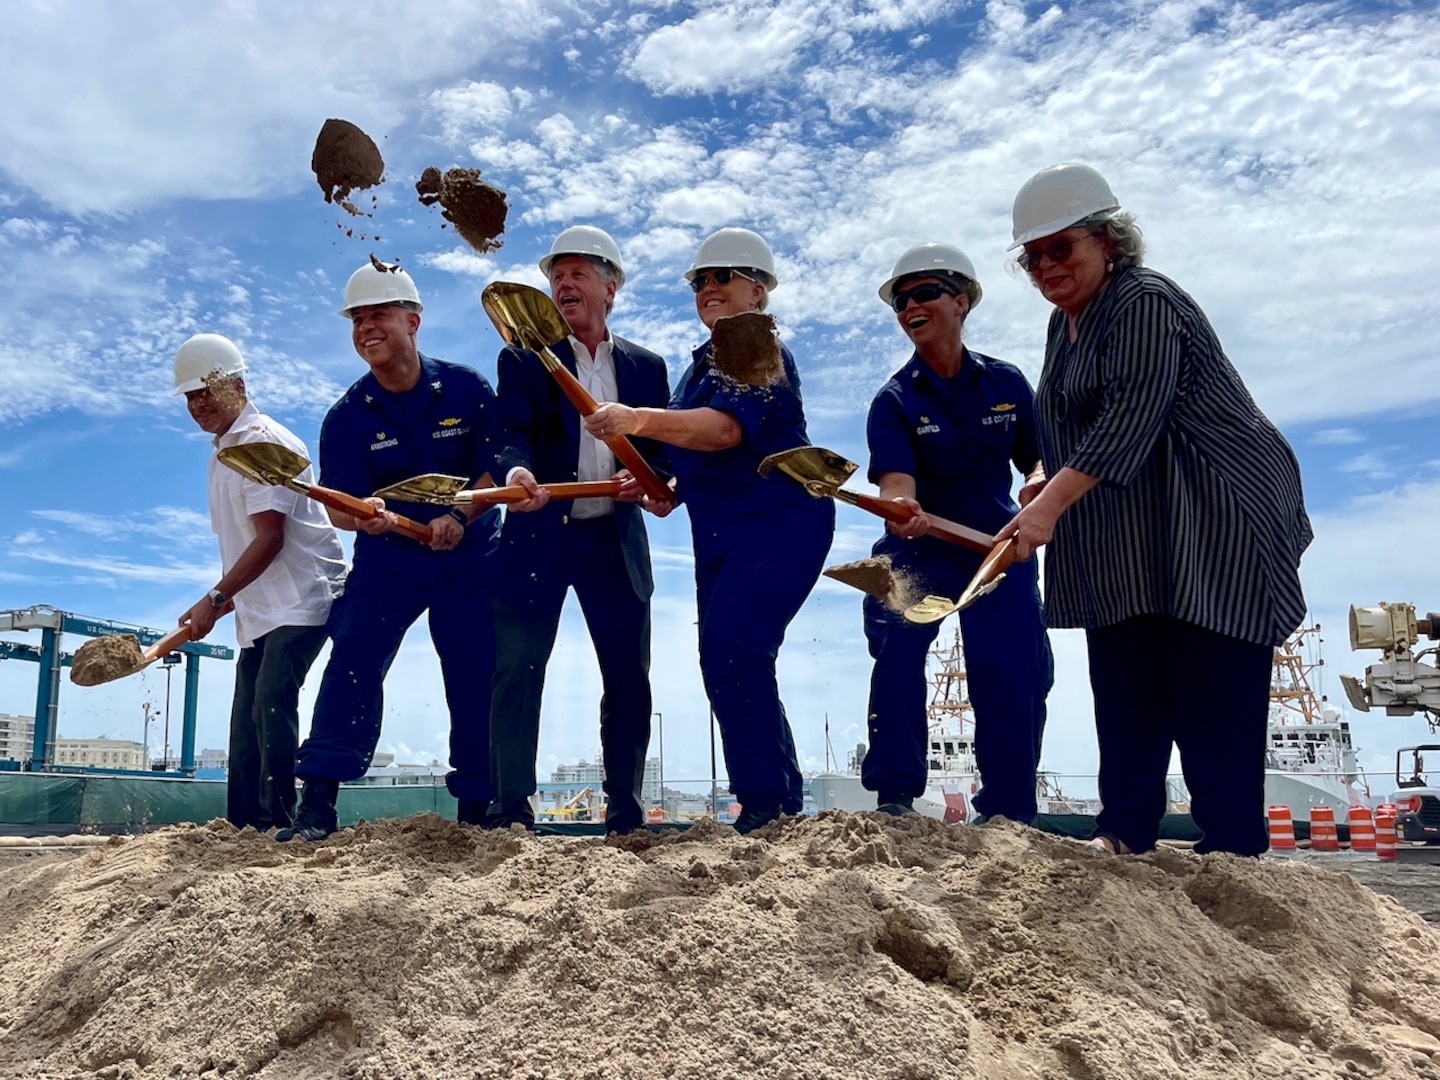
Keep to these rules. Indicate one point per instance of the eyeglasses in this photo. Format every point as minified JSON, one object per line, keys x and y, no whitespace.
{"x":921,"y":294}
{"x":722,"y":276}
{"x":1057,"y":251}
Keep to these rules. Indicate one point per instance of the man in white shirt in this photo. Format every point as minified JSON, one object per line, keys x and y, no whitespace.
{"x":598,"y":547}
{"x":282,"y":567}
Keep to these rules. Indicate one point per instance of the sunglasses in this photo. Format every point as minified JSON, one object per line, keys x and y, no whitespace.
{"x":722,"y":276}
{"x":921,"y":294}
{"x":1057,"y":252}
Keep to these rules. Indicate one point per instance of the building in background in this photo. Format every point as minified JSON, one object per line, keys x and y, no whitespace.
{"x":100,"y":754}
{"x":17,"y":737}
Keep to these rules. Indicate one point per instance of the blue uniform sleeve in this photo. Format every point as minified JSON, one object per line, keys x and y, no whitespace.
{"x":888,"y":432}
{"x":771,"y":418}
{"x":515,"y":411}
{"x":342,"y":466}
{"x":1026,"y":449}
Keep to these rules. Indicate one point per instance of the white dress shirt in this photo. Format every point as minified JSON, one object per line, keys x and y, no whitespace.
{"x":597,"y":461}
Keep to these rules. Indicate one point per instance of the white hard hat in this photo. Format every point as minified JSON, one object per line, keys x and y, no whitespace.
{"x":932,"y":259}
{"x":739,"y":249}
{"x":585,"y":240}
{"x":204,"y":356}
{"x":1057,"y":198}
{"x":369,"y":287}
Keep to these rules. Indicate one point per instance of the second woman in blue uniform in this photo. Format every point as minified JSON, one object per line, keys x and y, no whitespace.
{"x":759,"y":546}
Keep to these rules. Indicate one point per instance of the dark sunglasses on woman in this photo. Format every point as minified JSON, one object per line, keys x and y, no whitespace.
{"x":921,"y":294}
{"x":722,"y":276}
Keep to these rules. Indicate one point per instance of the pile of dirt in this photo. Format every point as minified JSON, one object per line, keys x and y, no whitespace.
{"x":104,"y":659}
{"x":746,"y":349}
{"x":837,"y":946}
{"x":476,"y":209}
{"x":345,"y":159}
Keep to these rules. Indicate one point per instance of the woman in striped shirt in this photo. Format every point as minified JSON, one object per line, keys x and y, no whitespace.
{"x":1174,"y":516}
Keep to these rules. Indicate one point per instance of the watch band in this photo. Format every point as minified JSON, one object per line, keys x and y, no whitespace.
{"x":460,"y":516}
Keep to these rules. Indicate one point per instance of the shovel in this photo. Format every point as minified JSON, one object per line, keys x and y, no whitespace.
{"x":441,"y":490}
{"x":991,"y":573}
{"x":821,"y":472}
{"x":279,"y":466}
{"x":528,"y":319}
{"x":116,"y":656}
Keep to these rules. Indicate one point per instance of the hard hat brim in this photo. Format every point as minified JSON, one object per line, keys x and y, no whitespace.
{"x":1050,"y":228}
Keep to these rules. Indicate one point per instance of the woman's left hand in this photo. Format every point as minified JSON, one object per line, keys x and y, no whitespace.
{"x":612,"y":419}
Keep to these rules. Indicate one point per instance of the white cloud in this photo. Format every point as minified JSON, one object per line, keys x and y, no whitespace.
{"x":475,"y":108}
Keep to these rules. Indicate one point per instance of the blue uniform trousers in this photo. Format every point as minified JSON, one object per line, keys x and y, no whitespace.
{"x":527,"y":616}
{"x":1010,"y":671}
{"x":747,"y":594}
{"x":1218,"y":723}
{"x":384,"y":594}
{"x":265,"y":726}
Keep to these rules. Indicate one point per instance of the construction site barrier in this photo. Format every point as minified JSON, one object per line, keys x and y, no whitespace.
{"x":1362,"y":828}
{"x":1385,"y":837}
{"x":1282,"y":828}
{"x":1323,"y":836}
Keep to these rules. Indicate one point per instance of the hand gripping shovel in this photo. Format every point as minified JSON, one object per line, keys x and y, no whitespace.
{"x":271,"y":463}
{"x":528,"y":319}
{"x":115,"y":656}
{"x":990,"y":574}
{"x":441,"y":490}
{"x":821,"y":472}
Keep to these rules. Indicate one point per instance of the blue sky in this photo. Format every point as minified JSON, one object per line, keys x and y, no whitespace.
{"x":1284,"y":162}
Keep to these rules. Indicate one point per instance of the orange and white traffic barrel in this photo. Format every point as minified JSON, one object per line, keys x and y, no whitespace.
{"x":1282,"y":828}
{"x":1385,"y":838}
{"x":1323,"y":836}
{"x":1362,"y":828}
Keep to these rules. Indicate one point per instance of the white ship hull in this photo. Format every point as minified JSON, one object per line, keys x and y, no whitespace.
{"x":1302,"y":791}
{"x":843,"y":791}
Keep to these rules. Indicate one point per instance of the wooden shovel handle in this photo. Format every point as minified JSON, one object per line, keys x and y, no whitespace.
{"x":169,"y":643}
{"x":940,"y":527}
{"x":622,"y":447}
{"x":569,"y":489}
{"x":348,"y":504}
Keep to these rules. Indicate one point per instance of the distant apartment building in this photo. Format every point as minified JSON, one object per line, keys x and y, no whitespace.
{"x":17,"y":736}
{"x":100,"y":754}
{"x":575,"y":778}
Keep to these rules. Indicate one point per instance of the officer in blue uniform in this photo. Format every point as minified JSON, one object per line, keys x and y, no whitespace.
{"x":409,"y":414}
{"x":944,"y":433}
{"x":759,"y":546}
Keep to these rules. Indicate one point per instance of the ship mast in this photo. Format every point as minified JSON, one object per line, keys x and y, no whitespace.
{"x":1291,"y":695}
{"x":949,"y":690}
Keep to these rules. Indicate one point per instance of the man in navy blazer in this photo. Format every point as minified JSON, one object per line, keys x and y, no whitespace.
{"x":598,"y":547}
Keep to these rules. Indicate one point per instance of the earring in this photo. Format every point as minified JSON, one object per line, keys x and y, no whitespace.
{"x":1110,"y":266}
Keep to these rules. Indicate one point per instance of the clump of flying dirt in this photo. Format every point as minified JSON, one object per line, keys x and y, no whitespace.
{"x":745,"y":348}
{"x":104,"y":659}
{"x":383,"y":267}
{"x":877,"y":577}
{"x":476,"y":209}
{"x":345,"y":159}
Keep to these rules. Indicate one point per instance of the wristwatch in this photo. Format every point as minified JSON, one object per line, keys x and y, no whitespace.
{"x":460,"y":516}
{"x":218,"y":598}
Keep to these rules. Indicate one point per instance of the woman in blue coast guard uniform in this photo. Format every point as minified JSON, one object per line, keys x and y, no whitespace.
{"x":944,"y":433}
{"x":759,"y":545}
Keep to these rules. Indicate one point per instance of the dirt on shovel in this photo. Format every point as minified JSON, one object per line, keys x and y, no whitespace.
{"x":877,"y":577}
{"x":475,"y":208}
{"x":745,"y":348}
{"x":105,"y":659}
{"x":345,"y":159}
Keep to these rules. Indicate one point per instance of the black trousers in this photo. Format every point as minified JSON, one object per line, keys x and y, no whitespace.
{"x":265,"y":726}
{"x":1160,"y":682}
{"x":527,"y":617}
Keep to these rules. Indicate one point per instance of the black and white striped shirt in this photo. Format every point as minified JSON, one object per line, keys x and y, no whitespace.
{"x":1198,"y":513}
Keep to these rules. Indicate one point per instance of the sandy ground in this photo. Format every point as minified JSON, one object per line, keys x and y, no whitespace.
{"x":837,"y":946}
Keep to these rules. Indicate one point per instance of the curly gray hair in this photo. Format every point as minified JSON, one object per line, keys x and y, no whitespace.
{"x":1122,"y":237}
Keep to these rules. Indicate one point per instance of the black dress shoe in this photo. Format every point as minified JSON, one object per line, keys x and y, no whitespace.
{"x":315,"y":818}
{"x":752,"y":819}
{"x":897,"y":807}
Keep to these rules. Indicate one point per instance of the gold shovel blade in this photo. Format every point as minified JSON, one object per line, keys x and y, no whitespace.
{"x":819,"y":471}
{"x":525,"y":317}
{"x":932,"y":609}
{"x":265,"y":463}
{"x":436,"y":489}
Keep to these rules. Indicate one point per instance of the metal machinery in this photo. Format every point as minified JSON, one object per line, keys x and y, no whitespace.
{"x":1417,"y":801}
{"x":53,"y":624}
{"x":1402,"y":682}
